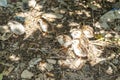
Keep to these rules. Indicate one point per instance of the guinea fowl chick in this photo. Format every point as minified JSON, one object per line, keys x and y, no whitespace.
{"x":79,"y":49}
{"x":16,"y":27}
{"x":88,"y":31}
{"x":45,"y":26}
{"x":78,"y":34}
{"x":64,"y":40}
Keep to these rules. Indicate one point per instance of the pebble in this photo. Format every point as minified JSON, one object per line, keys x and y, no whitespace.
{"x":33,"y":62}
{"x":51,"y":61}
{"x":3,"y":3}
{"x":27,"y":74}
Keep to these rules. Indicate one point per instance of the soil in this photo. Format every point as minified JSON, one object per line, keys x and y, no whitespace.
{"x":39,"y":53}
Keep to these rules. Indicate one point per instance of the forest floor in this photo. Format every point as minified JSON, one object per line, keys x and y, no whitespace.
{"x":36,"y":56}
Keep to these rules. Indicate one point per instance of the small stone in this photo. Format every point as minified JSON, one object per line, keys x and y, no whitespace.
{"x":33,"y":62}
{"x":86,"y":68}
{"x":3,"y":3}
{"x":108,"y":35}
{"x":115,"y":61}
{"x":27,"y":74}
{"x":51,"y":61}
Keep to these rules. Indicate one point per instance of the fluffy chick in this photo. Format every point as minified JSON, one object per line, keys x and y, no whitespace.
{"x":79,"y":49}
{"x":16,"y":27}
{"x":88,"y":31}
{"x":45,"y":27}
{"x":78,"y":34}
{"x":64,"y":40}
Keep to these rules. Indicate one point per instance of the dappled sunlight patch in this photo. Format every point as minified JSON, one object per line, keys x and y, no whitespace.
{"x":52,"y":16}
{"x":14,"y":58}
{"x":87,"y":13}
{"x":59,"y":25}
{"x":94,"y":5}
{"x":73,"y":24}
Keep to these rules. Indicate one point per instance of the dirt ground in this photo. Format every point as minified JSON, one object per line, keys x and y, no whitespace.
{"x":36,"y":55}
